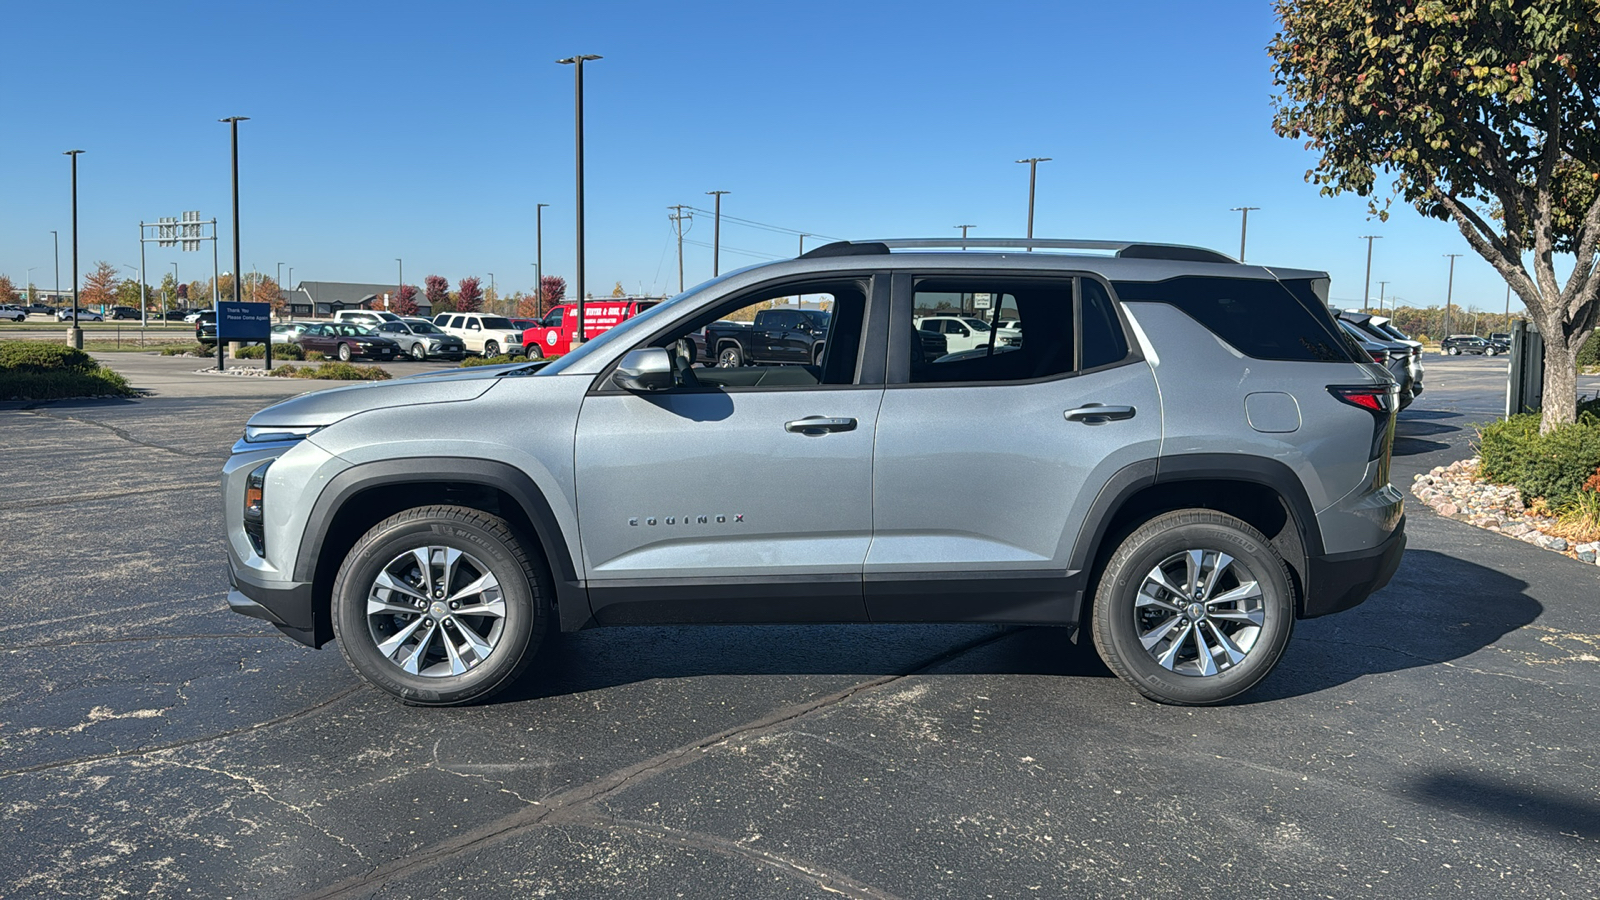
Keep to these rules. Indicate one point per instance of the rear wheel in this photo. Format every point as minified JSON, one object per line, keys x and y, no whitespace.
{"x":440,"y":605}
{"x":730,"y":357}
{"x":1194,"y":608}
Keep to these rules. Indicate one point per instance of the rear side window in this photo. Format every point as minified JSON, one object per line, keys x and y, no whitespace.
{"x":1261,"y":318}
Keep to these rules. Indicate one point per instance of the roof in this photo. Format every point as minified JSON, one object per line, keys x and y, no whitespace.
{"x":349,"y":294}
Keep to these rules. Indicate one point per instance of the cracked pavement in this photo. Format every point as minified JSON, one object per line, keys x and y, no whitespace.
{"x":1435,"y":741}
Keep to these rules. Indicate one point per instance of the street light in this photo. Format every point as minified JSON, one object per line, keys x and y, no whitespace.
{"x":233,"y":127}
{"x":56,"y":240}
{"x":493,"y":293}
{"x":400,"y":278}
{"x":577,"y":85}
{"x":74,"y":335}
{"x":1244,"y":224}
{"x":1033,"y":172}
{"x":716,"y":232}
{"x":538,"y":256}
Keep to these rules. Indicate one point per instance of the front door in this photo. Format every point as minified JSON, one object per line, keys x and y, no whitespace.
{"x":742,"y":495}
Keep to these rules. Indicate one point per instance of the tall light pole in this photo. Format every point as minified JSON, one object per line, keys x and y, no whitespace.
{"x":1366,"y":292}
{"x":238,"y":270}
{"x":538,"y":256}
{"x":74,"y":335}
{"x":1449,"y":292}
{"x":1508,"y":306}
{"x":493,"y":293}
{"x":56,"y":240}
{"x":291,"y":274}
{"x":716,"y":235}
{"x":964,"y":234}
{"x":1244,"y":225}
{"x":577,"y":85}
{"x":1033,"y":178}
{"x":280,"y":276}
{"x":399,"y":278}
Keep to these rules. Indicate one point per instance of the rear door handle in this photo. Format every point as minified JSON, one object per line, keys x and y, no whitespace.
{"x":819,"y":425}
{"x":1099,"y":414}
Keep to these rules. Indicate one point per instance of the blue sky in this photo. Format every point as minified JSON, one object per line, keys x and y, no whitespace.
{"x":428,"y":131}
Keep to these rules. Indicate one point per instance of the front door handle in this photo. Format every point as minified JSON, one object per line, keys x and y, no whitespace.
{"x":819,"y":425}
{"x":1099,"y":414}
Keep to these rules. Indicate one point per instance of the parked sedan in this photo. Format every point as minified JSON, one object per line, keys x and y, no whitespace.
{"x":1457,"y":344}
{"x":347,"y":341}
{"x":85,"y":314}
{"x":286,"y":333}
{"x":421,"y":339}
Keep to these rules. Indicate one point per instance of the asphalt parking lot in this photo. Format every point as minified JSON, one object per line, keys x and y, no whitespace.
{"x":1438,"y":741}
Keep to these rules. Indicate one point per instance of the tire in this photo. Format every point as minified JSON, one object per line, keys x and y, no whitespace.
{"x":418,"y":354}
{"x":532,"y":351}
{"x":344,"y":353}
{"x":1489,"y":352}
{"x":425,"y":671}
{"x":1454,"y":351}
{"x":730,"y":357}
{"x":1174,"y":670}
{"x":490,"y":348}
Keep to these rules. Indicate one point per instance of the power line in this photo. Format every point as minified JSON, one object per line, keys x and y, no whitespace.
{"x":754,"y":253}
{"x":763,"y":225}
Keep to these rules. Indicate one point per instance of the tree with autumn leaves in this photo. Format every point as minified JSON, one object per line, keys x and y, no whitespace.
{"x":1480,"y":114}
{"x":99,"y":286}
{"x":469,"y":295}
{"x":404,"y":302}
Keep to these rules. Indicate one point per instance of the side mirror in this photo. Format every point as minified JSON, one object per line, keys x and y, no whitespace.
{"x":645,"y":369}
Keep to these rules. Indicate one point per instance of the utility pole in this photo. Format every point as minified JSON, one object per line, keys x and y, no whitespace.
{"x":677,"y":218}
{"x":1381,"y":286}
{"x":577,"y":84}
{"x":1033,"y":172}
{"x":74,"y":334}
{"x":1449,"y":292}
{"x":1366,"y":292}
{"x":56,"y":239}
{"x":964,"y":234}
{"x":716,"y":238}
{"x":538,"y":256}
{"x":1244,"y":225}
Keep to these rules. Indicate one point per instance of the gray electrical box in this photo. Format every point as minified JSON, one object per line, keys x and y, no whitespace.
{"x":1525,"y":382}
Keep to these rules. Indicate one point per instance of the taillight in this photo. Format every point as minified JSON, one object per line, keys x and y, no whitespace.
{"x":1380,"y":357}
{"x":1378,"y":399}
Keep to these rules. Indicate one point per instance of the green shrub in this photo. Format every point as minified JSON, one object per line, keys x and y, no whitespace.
{"x":43,"y":356}
{"x":1553,"y":466}
{"x":279,"y":351}
{"x":314,"y":355}
{"x":191,"y":350}
{"x":500,"y":360}
{"x":333,"y":371}
{"x":1589,"y":353}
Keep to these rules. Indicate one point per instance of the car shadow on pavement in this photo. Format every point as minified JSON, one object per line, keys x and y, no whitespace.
{"x":1422,"y":618}
{"x":1482,"y":800}
{"x":608,"y":657}
{"x":1410,"y":431}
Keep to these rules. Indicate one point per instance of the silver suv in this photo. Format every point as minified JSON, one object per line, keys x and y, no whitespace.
{"x":1183,"y":456}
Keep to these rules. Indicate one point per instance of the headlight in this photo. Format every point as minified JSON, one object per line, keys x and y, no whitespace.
{"x":255,"y":508}
{"x":272,"y":434}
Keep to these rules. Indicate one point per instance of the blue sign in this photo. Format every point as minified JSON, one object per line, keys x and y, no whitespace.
{"x":243,"y":321}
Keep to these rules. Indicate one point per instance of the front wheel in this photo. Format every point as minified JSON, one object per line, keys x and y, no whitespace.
{"x":1490,"y":352}
{"x":1194,"y":608}
{"x":491,"y":348}
{"x":440,"y":605}
{"x":344,"y":352}
{"x":418,"y":354}
{"x":1454,"y":351}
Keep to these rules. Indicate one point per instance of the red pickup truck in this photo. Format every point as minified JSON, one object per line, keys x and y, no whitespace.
{"x":552,"y":335}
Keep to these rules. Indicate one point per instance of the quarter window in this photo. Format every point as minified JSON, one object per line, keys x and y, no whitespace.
{"x":1261,"y":318}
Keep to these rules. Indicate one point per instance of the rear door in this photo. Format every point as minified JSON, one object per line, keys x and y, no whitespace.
{"x":985,"y":467}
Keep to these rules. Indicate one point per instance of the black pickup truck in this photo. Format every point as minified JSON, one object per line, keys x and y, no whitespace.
{"x":776,"y":336}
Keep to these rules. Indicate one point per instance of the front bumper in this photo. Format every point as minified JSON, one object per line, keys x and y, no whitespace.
{"x":289,"y":607}
{"x":1338,"y":581}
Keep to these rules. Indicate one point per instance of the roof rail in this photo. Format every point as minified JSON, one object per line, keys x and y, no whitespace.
{"x":1125,"y":249}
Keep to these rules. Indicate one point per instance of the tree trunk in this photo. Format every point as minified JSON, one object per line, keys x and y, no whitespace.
{"x":1560,"y":404}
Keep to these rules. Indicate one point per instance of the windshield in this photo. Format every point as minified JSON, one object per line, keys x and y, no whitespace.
{"x":632,"y":326}
{"x":353,"y":330}
{"x":497,"y":322}
{"x":423,"y":328}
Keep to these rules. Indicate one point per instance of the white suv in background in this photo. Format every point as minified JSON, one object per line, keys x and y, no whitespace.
{"x":483,"y":333}
{"x":364,"y":317}
{"x":969,"y":332}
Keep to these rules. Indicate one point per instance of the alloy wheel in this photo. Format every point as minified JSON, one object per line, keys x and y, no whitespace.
{"x":435,"y":611}
{"x":1199,"y":612}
